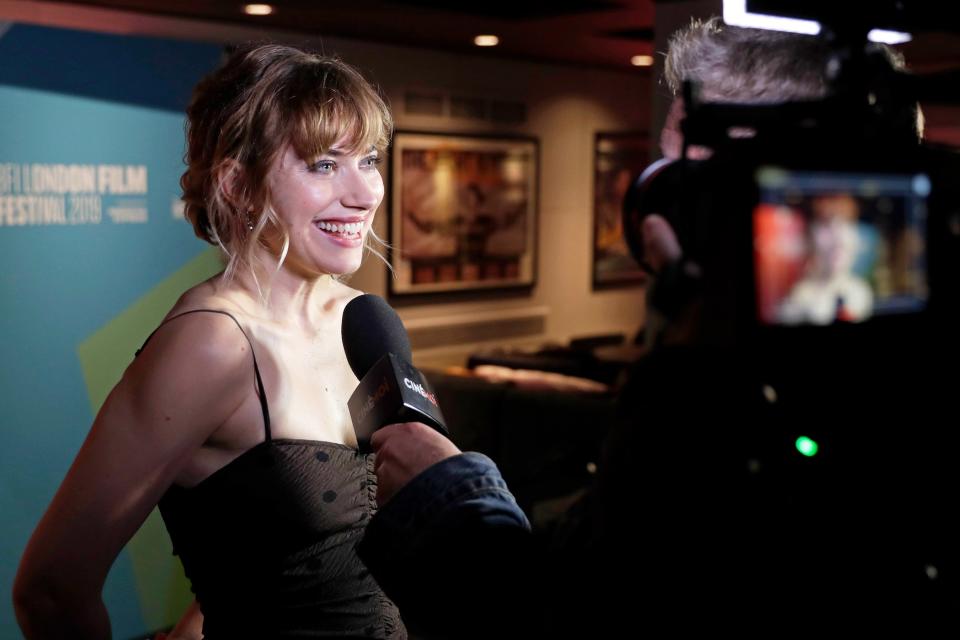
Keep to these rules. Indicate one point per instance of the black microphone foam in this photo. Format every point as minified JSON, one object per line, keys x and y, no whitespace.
{"x":370,"y":330}
{"x":391,"y":390}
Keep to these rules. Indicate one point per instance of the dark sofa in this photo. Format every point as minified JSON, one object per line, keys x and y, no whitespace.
{"x":545,"y":442}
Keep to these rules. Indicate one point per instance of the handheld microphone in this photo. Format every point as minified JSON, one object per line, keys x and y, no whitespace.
{"x":391,"y":390}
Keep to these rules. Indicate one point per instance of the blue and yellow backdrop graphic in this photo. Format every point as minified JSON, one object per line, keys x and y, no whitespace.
{"x":93,"y":252}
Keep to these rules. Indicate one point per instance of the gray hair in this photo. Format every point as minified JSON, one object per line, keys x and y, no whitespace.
{"x":735,"y":64}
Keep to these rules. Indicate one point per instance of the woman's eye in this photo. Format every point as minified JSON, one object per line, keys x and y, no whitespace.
{"x":323,"y":166}
{"x":370,"y":162}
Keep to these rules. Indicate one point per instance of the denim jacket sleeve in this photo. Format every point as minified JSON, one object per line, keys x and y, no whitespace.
{"x":466,"y":487}
{"x":447,"y":546}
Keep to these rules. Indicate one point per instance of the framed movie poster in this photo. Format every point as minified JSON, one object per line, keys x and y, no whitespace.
{"x":463,"y":212}
{"x":618,"y":159}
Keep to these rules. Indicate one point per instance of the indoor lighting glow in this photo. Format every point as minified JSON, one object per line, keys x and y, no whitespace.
{"x":486,"y":41}
{"x":641,"y":61}
{"x":888,"y":37}
{"x":257,"y":9}
{"x":735,"y":13}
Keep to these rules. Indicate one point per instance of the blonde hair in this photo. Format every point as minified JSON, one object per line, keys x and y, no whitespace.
{"x":240,"y":119}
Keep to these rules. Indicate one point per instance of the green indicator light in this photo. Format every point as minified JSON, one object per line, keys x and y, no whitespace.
{"x":807,"y":447}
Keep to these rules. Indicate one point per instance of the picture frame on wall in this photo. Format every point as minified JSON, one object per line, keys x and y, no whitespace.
{"x":463,"y":212}
{"x":618,"y":159}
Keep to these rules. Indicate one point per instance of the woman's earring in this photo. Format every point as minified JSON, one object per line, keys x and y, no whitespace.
{"x":249,"y":221}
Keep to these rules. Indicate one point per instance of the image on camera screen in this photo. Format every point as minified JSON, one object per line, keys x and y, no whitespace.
{"x":838,"y":247}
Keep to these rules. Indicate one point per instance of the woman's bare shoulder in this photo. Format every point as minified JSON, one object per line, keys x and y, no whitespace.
{"x":215,"y":299}
{"x":205,"y":329}
{"x":191,"y":343}
{"x":211,"y":295}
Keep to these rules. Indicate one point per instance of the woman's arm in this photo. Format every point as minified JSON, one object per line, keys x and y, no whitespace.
{"x":190,"y":626}
{"x":183,"y":386}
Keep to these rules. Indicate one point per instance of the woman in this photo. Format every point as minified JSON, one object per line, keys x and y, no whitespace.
{"x":233,"y":417}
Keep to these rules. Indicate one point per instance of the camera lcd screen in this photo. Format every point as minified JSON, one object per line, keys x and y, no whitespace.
{"x":838,"y":247}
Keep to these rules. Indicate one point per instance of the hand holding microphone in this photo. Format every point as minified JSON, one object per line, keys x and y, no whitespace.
{"x":404,"y":451}
{"x":391,"y":392}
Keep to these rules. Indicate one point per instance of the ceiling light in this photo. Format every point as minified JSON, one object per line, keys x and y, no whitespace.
{"x":641,"y":61}
{"x":486,"y":41}
{"x":257,"y":9}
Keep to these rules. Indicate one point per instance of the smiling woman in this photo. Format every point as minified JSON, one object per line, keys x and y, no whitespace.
{"x":324,"y":208}
{"x":304,"y":114}
{"x":233,"y":417}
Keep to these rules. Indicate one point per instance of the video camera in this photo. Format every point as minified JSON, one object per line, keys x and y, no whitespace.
{"x":820,"y":250}
{"x":821,"y":213}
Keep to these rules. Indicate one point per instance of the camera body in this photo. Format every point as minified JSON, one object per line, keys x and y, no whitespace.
{"x":821,"y":243}
{"x":809,"y":215}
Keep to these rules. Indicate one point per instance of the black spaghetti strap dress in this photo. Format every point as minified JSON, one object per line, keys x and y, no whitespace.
{"x":269,"y":541}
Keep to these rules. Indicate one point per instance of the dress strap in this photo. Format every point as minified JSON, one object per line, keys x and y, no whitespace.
{"x":261,"y":392}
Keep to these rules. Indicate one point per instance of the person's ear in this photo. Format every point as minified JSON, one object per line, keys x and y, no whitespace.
{"x":230,"y":181}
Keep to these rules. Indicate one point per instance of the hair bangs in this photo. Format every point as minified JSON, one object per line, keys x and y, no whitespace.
{"x":340,"y":111}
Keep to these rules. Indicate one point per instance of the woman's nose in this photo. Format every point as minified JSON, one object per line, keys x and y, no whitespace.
{"x":363,"y":191}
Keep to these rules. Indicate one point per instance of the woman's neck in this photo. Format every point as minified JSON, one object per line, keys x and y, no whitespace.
{"x":287,"y":295}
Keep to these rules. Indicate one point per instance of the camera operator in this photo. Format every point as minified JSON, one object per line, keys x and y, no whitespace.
{"x":700,"y":517}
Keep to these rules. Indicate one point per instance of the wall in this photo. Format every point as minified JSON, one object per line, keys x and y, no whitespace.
{"x":565,"y":108}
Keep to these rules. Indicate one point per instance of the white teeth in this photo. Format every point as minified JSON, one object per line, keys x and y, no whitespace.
{"x":349,"y":228}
